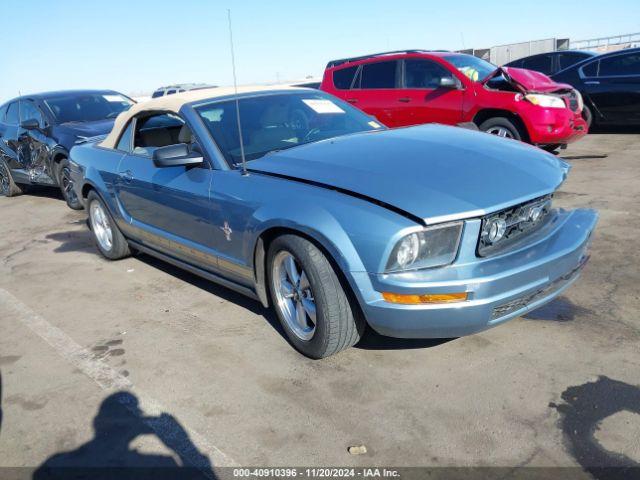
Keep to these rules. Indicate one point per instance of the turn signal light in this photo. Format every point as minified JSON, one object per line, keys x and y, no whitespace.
{"x":427,"y":298}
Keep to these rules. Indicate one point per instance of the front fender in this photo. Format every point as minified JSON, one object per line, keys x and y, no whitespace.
{"x":323,"y":229}
{"x":315,"y":222}
{"x":96,"y":167}
{"x":354,"y":232}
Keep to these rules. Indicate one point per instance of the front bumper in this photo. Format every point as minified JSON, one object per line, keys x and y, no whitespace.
{"x":499,"y":288}
{"x":548,"y":126}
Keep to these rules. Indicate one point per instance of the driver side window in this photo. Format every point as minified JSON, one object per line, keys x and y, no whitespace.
{"x":28,"y":111}
{"x":420,"y":73}
{"x":160,"y":130}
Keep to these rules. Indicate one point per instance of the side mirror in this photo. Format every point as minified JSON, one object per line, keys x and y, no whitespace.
{"x":175,"y":156}
{"x":31,"y":124}
{"x":449,"y":82}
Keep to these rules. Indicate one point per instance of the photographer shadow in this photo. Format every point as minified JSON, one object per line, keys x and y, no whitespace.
{"x":109,"y":454}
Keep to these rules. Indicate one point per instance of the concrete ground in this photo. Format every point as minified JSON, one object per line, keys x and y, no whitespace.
{"x":215,"y":378}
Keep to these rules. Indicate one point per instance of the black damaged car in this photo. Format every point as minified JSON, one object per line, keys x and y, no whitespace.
{"x":38,"y":131}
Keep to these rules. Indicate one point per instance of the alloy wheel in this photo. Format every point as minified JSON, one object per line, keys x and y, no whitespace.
{"x":500,"y":132}
{"x":101,"y":226}
{"x":294,"y":296}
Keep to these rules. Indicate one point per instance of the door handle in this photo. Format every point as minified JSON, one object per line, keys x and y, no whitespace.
{"x":592,"y":82}
{"x":127,"y":176}
{"x":404,"y":100}
{"x":352,"y":100}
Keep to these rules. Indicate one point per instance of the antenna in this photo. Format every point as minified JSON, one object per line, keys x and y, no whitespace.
{"x":235,"y":87}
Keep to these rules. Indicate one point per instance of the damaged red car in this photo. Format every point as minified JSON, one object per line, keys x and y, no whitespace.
{"x":414,"y":87}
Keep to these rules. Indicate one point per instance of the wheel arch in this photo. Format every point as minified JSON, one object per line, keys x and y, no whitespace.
{"x":57,"y":155}
{"x":487,"y":113}
{"x":86,"y":188}
{"x":326,"y":246}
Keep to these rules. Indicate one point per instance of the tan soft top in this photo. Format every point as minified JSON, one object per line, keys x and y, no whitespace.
{"x":173,"y":103}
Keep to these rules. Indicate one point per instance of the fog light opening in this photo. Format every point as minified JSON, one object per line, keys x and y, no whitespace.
{"x":429,"y":298}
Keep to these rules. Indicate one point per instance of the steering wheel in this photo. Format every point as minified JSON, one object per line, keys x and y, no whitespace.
{"x":310,"y":134}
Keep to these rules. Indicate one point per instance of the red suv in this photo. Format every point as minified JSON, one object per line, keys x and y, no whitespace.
{"x":413,"y":87}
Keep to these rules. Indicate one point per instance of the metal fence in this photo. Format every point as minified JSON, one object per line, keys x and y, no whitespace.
{"x":501,"y":54}
{"x":607,"y":43}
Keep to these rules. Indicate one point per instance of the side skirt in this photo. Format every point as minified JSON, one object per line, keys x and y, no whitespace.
{"x":195,"y":270}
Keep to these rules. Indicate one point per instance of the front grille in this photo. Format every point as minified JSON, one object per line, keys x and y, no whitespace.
{"x":526,"y":300}
{"x":518,"y":222}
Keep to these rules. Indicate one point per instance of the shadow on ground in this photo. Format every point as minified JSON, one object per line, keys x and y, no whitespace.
{"x":44,"y":192}
{"x":559,"y":310}
{"x":82,"y":241}
{"x":109,"y":453}
{"x":594,"y":156}
{"x":585,"y":407}
{"x":227,"y":294}
{"x":370,"y":341}
{"x":599,"y":130}
{"x":73,"y":241}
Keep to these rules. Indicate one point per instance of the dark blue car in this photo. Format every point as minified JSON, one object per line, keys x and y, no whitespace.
{"x":336,"y":222}
{"x":38,"y":131}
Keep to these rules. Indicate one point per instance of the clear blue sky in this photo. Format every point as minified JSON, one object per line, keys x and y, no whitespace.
{"x":138,"y":45}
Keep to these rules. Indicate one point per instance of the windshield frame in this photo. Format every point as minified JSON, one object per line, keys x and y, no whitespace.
{"x":57,"y":120}
{"x":196,"y":106}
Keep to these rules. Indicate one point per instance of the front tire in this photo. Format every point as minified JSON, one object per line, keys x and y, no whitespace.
{"x":501,"y":127}
{"x":63,"y":174}
{"x":309,"y":298}
{"x":8,"y":188}
{"x":106,"y":234}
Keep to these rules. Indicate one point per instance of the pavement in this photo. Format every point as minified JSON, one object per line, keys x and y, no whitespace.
{"x":103,"y":361}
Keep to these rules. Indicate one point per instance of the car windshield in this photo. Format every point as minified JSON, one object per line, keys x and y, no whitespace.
{"x":473,"y":67}
{"x":87,"y":107}
{"x":280,"y":121}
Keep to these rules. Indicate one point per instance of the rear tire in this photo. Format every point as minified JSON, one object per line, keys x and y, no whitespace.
{"x":502,"y":127}
{"x":106,"y":234}
{"x":63,"y":174}
{"x":8,"y":188}
{"x":311,"y":303}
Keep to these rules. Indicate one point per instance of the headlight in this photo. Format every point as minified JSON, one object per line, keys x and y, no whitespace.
{"x":580,"y":100}
{"x":432,"y":247}
{"x":549,"y":101}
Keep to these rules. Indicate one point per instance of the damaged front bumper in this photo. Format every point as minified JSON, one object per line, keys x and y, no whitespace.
{"x":498,"y":288}
{"x":550,"y":126}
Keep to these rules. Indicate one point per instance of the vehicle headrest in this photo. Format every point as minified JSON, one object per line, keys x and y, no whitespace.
{"x":185,"y":135}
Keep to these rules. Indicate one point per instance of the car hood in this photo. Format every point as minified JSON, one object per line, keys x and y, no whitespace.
{"x":87,"y":129}
{"x":431,"y":172}
{"x":530,"y":81}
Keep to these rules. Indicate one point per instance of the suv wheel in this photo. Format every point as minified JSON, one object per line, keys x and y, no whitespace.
{"x":8,"y":188}
{"x":502,"y":127}
{"x":309,"y":299}
{"x":63,"y":175}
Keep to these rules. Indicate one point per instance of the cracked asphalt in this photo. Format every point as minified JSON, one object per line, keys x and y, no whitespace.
{"x":76,"y":329}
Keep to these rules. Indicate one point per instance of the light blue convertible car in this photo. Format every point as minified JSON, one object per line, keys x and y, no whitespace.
{"x":335,"y":221}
